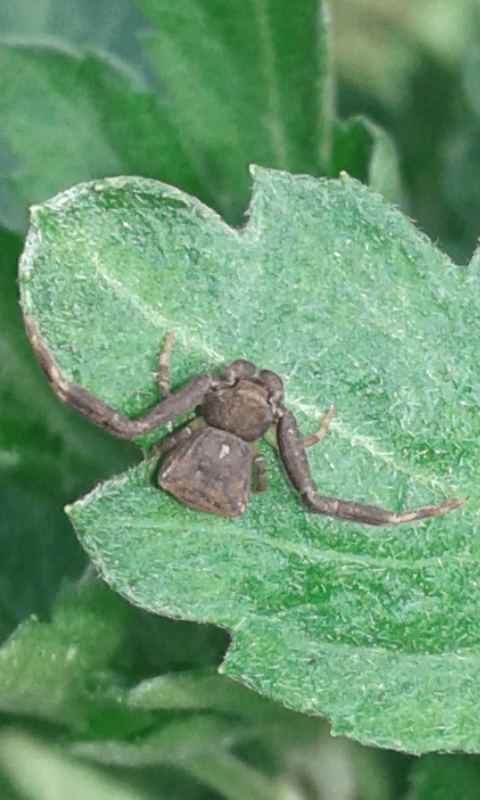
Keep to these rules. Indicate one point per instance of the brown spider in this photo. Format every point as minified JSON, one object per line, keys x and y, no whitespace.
{"x":209,"y":469}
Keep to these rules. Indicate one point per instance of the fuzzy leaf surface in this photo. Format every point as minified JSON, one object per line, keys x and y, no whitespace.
{"x":376,"y":628}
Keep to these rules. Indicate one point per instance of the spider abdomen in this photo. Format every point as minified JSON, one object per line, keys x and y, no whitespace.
{"x":210,"y":471}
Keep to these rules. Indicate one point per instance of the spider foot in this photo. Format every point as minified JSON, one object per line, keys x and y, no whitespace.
{"x":373,"y":515}
{"x":428,"y":511}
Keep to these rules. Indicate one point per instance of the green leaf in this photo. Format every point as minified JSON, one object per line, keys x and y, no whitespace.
{"x":367,"y":152}
{"x":59,"y":115}
{"x":202,"y":690}
{"x":41,"y":105}
{"x":250,"y":85}
{"x":37,"y":549}
{"x":299,"y":745}
{"x":376,"y":628}
{"x":40,"y":772}
{"x":445,"y":777}
{"x":198,"y":744}
{"x":75,"y":668}
{"x":53,"y":670}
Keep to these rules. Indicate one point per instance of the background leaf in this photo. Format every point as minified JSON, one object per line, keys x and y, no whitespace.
{"x":74,"y":668}
{"x":366,"y":152}
{"x":222,"y":92}
{"x":353,"y":306}
{"x":445,"y":777}
{"x":71,"y":677}
{"x":40,"y":772}
{"x":37,"y":550}
{"x":59,"y":117}
{"x":264,"y":103}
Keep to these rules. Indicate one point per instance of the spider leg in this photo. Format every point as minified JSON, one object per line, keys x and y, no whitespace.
{"x":163,"y":371}
{"x":167,"y":444}
{"x":171,"y":441}
{"x":313,"y":438}
{"x":260,"y":480}
{"x":86,"y":403}
{"x":294,"y":457}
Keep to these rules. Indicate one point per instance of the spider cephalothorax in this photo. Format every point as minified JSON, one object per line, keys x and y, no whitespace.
{"x":209,"y":468}
{"x":242,"y":403}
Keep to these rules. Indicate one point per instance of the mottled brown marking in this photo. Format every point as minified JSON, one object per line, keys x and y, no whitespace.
{"x":209,"y":472}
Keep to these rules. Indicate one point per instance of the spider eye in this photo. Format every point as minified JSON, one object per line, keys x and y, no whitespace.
{"x":273,"y":382}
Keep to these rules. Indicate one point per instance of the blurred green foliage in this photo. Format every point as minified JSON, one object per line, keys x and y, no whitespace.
{"x":392,"y":96}
{"x":413,"y":67}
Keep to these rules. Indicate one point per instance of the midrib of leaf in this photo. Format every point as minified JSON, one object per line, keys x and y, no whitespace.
{"x":177,"y":61}
{"x":266,"y":58}
{"x":368,"y":444}
{"x":325,"y":111}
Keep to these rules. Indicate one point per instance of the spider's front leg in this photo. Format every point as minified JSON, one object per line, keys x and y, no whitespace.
{"x":293,"y":455}
{"x":84,"y":402}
